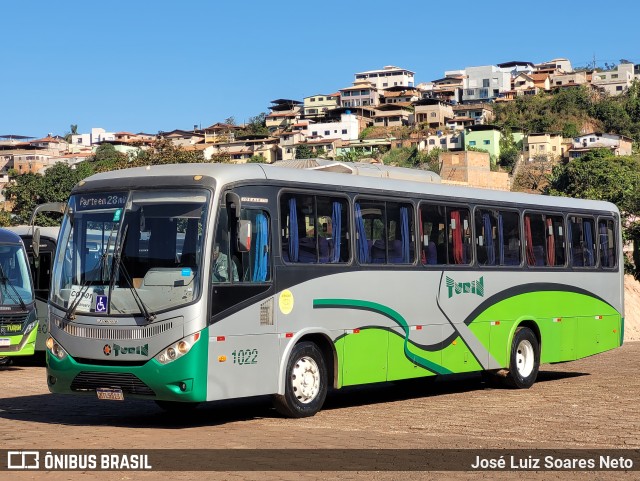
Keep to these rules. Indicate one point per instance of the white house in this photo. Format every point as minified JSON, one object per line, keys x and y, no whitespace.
{"x":346,"y":129}
{"x":95,"y":136}
{"x":388,"y":76}
{"x":618,"y":144}
{"x":615,"y":81}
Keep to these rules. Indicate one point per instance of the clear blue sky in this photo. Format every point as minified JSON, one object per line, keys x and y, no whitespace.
{"x":145,"y":66}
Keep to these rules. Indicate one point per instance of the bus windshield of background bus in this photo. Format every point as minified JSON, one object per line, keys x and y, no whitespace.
{"x":127,"y":252}
{"x":15,"y":283}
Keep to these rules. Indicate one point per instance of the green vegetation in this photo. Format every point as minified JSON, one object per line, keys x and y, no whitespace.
{"x":412,"y":158}
{"x":601,"y":175}
{"x":571,"y":111}
{"x":303,"y":151}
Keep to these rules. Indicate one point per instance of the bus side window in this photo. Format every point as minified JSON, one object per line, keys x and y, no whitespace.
{"x":314,"y":229}
{"x":582,"y":241}
{"x":222,"y":269}
{"x":607,"y":243}
{"x":433,"y":235}
{"x":254,"y":266}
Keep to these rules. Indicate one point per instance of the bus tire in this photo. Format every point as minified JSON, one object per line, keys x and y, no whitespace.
{"x":525,"y":359}
{"x":305,"y":384}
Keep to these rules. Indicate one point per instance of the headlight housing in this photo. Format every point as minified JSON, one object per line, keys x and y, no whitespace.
{"x":177,"y":349}
{"x":55,"y":348}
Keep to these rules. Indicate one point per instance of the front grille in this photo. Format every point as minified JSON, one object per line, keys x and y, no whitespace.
{"x":105,"y":362}
{"x":17,"y":318}
{"x":113,"y":333}
{"x":129,"y":383}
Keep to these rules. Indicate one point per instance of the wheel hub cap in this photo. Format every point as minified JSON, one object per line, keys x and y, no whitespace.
{"x":525,"y":358}
{"x":305,"y":380}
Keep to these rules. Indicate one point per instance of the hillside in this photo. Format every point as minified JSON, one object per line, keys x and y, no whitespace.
{"x":573,"y":111}
{"x":632,"y":309}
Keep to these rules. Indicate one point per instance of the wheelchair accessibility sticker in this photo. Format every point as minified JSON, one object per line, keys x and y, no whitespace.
{"x":101,"y":303}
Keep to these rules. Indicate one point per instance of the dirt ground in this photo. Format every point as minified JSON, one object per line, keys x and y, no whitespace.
{"x":632,"y":309}
{"x":591,"y":403}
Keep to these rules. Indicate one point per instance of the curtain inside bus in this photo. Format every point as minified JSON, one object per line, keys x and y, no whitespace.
{"x":456,"y":232}
{"x":336,"y":228}
{"x":261,"y":260}
{"x":551,"y":243}
{"x":293,"y":230}
{"x":501,"y":239}
{"x":404,"y":234}
{"x":363,"y":245}
{"x":531,"y":258}
{"x":488,"y":240}
{"x":589,"y":258}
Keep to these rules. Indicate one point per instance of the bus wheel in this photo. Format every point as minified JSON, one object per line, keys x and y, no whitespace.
{"x":176,"y":407}
{"x":306,"y":382}
{"x":5,"y":361}
{"x":525,"y":359}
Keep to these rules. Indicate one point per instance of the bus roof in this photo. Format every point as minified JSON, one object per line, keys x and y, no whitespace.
{"x":221,"y":174}
{"x":27,"y":230}
{"x":9,"y":237}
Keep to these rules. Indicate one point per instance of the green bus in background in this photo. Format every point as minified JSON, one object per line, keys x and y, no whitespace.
{"x":190,"y":283}
{"x":18,"y":322}
{"x":40,"y":245}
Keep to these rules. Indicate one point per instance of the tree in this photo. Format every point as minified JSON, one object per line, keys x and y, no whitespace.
{"x":257,"y":159}
{"x":354,"y":154}
{"x":533,"y":176}
{"x":303,"y":151}
{"x":74,"y":131}
{"x":230,"y":120}
{"x":166,"y":152}
{"x":108,"y":153}
{"x":5,"y":218}
{"x":257,"y":125}
{"x":29,"y":190}
{"x":601,"y":175}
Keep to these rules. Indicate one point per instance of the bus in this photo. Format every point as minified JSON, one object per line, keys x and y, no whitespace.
{"x":40,"y":245}
{"x":289,"y":282}
{"x":18,"y":322}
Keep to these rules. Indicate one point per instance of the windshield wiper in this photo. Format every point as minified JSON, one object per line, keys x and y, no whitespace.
{"x":70,"y":314}
{"x":6,"y":281}
{"x":117,"y":264}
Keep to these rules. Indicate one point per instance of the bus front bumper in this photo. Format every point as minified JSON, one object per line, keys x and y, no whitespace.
{"x":182,"y":380}
{"x":18,"y":345}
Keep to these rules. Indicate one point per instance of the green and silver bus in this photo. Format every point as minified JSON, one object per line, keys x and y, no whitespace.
{"x":40,"y":245}
{"x":18,"y":322}
{"x":191,"y":283}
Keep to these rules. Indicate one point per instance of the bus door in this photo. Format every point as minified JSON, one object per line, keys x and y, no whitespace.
{"x":244,"y":343}
{"x":41,"y":267}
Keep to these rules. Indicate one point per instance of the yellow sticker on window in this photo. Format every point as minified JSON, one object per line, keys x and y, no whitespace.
{"x":286,"y":301}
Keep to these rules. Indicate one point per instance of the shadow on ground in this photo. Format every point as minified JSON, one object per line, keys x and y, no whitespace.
{"x":86,"y":410}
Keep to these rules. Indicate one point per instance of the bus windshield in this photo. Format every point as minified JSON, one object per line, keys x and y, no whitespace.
{"x":15,"y":283}
{"x":130,"y":252}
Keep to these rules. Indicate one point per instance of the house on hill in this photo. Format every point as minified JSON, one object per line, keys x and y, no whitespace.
{"x":618,"y":144}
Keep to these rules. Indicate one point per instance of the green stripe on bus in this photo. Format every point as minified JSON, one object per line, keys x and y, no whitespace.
{"x":389,"y":313}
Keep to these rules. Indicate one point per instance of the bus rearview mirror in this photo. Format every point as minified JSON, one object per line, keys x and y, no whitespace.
{"x":35,"y":242}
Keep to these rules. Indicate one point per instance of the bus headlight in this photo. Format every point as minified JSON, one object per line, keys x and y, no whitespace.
{"x":177,"y":349}
{"x":55,"y":348}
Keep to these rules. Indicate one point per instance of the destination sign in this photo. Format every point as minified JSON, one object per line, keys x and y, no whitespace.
{"x":101,"y":201}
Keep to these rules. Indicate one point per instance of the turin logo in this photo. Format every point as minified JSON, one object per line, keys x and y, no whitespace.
{"x":473,"y":287}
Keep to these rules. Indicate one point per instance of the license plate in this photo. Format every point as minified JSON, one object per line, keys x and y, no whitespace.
{"x":110,"y":394}
{"x":4,"y":342}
